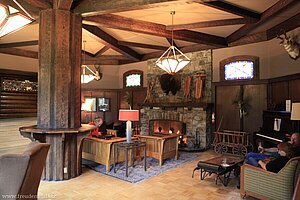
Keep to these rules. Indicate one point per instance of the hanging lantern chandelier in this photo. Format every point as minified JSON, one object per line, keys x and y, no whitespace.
{"x":172,"y":60}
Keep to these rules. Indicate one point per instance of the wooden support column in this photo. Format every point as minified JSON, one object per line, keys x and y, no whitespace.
{"x":59,"y":71}
{"x":59,"y":94}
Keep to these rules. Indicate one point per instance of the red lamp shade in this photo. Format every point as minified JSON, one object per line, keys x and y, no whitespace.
{"x":129,"y":115}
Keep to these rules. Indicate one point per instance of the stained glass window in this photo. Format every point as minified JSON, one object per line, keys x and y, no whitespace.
{"x":239,"y":70}
{"x":133,"y":79}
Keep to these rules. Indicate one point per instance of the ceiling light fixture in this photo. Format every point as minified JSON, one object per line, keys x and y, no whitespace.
{"x":13,"y":17}
{"x":172,"y":60}
{"x":86,"y":78}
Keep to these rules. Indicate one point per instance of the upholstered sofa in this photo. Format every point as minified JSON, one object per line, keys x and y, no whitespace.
{"x":262,"y":184}
{"x":20,"y":174}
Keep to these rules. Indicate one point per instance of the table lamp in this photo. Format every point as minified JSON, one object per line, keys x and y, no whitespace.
{"x":295,"y":115}
{"x":129,"y":115}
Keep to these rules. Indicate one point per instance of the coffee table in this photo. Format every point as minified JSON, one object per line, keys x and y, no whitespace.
{"x":221,"y":166}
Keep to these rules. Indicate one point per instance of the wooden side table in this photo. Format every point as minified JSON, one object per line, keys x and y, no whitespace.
{"x":129,"y":148}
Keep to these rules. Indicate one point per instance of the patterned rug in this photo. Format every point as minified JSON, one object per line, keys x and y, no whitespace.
{"x":137,"y":174}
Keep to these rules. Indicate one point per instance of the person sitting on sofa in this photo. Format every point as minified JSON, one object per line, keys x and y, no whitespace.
{"x":100,"y":126}
{"x":285,"y":151}
{"x":253,"y":158}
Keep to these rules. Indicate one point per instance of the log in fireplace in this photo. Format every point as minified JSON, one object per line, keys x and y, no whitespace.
{"x":161,"y":127}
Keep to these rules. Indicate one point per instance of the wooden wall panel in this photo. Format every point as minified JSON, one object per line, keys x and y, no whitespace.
{"x":225,"y":95}
{"x":294,"y":90}
{"x":109,"y":116}
{"x":258,"y":101}
{"x":279,"y":93}
{"x":139,"y":97}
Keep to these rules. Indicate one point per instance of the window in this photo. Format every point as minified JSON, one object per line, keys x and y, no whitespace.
{"x":239,"y":68}
{"x":133,"y":79}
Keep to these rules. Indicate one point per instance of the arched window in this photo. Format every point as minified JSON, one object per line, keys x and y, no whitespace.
{"x":239,"y":68}
{"x":133,"y":79}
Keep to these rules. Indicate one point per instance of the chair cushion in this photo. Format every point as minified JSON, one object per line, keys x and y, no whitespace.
{"x":13,"y":168}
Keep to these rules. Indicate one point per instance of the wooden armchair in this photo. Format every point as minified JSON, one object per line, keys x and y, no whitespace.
{"x":262,"y":184}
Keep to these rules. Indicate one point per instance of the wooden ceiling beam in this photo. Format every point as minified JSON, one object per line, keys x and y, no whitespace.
{"x":19,"y":44}
{"x":111,"y":42}
{"x":19,"y":52}
{"x":227,"y":7}
{"x":140,"y":45}
{"x":83,"y":52}
{"x":213,"y":23}
{"x":92,"y":7}
{"x":101,"y":51}
{"x":186,"y":49}
{"x":41,"y":4}
{"x":249,"y":39}
{"x":101,"y":62}
{"x":174,"y":43}
{"x":107,"y":57}
{"x":276,"y":9}
{"x":287,"y":25}
{"x":62,"y":4}
{"x":139,"y":26}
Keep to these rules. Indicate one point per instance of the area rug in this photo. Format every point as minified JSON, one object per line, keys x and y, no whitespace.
{"x":137,"y":174}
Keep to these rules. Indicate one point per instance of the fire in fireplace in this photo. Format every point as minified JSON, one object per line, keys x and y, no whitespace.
{"x":166,"y":126}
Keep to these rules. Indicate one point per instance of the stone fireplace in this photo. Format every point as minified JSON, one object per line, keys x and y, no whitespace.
{"x":193,"y":113}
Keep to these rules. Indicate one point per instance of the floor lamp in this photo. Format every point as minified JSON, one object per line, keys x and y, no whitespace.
{"x":295,"y":115}
{"x":129,"y":115}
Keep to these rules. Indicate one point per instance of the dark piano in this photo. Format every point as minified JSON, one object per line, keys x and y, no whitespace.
{"x":276,"y":128}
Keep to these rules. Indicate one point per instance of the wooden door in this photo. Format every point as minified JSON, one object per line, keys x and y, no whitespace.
{"x":225,"y":110}
{"x":257,"y":95}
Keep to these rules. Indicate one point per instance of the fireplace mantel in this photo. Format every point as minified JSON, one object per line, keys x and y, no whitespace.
{"x":175,"y":105}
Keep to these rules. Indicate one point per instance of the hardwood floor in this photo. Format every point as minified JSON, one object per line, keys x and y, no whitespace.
{"x":174,"y":184}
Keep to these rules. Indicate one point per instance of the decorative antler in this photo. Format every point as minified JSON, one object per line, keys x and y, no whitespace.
{"x":98,"y":72}
{"x":290,"y":46}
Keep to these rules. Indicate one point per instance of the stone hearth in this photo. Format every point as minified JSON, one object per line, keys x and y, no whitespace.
{"x":197,"y":122}
{"x":195,"y":113}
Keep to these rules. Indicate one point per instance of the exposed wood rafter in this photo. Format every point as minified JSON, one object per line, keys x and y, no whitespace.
{"x":221,"y":5}
{"x":139,"y":26}
{"x":86,"y":53}
{"x":140,"y":45}
{"x":101,"y":51}
{"x":276,"y":9}
{"x":187,"y":49}
{"x":92,"y":7}
{"x":111,"y":42}
{"x":19,"y":44}
{"x":287,"y":25}
{"x":19,"y":52}
{"x":62,"y":4}
{"x":213,"y":23}
{"x":174,"y":43}
{"x":41,"y":4}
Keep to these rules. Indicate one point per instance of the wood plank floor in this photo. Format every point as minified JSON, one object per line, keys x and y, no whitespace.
{"x":174,"y":184}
